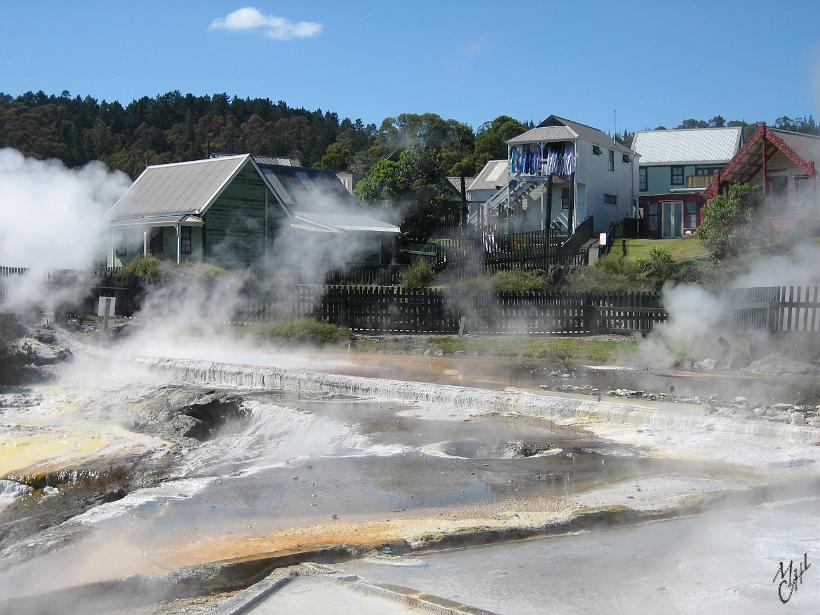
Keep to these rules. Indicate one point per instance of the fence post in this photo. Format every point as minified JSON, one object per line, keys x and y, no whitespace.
{"x":590,"y":322}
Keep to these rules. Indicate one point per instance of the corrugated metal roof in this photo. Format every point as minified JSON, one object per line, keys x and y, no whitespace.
{"x":544,"y":134}
{"x":283,"y":161}
{"x":342,"y":221}
{"x":805,"y":146}
{"x":556,"y":128}
{"x":687,"y":146}
{"x":179,"y":188}
{"x":494,"y":174}
{"x":589,"y":134}
{"x":187,"y":220}
{"x":455,"y":182}
{"x":304,"y":188}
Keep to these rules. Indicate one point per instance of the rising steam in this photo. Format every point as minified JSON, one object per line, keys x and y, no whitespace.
{"x":51,"y":217}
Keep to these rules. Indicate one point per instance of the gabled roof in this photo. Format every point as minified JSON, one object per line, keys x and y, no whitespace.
{"x":283,"y":161}
{"x":324,"y":222}
{"x":807,"y":147}
{"x":544,"y":134}
{"x":556,"y":128}
{"x":687,"y":146}
{"x":305,"y":188}
{"x":494,"y":175}
{"x":801,"y":149}
{"x":182,"y":192}
{"x":178,"y":189}
{"x":455,"y":182}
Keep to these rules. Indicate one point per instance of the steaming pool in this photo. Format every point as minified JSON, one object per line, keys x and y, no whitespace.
{"x":384,"y":465}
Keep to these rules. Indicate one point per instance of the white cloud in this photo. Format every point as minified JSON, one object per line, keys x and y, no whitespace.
{"x":275,"y":28}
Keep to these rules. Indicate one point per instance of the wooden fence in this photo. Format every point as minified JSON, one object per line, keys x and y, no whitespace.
{"x":392,"y":309}
{"x":397,"y":310}
{"x":9,"y":272}
{"x":778,"y":309}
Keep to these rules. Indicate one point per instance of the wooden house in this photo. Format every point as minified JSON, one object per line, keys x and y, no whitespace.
{"x":557,"y":175}
{"x":229,"y":210}
{"x":675,"y":169}
{"x":783,"y":164}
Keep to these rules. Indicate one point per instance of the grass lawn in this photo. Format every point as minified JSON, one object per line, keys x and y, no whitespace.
{"x":678,"y":248}
{"x":597,"y":350}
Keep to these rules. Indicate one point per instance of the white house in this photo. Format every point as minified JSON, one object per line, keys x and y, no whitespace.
{"x":564,"y":172}
{"x":492,"y":178}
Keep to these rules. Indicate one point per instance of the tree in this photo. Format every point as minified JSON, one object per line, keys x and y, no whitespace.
{"x":414,"y":185}
{"x":693,"y":123}
{"x":725,"y":228}
{"x":335,"y":157}
{"x":490,"y":144}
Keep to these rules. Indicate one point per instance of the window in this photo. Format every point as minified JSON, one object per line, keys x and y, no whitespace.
{"x":185,"y":239}
{"x":778,"y":188}
{"x":690,"y":217}
{"x":677,"y":176}
{"x":565,"y":200}
{"x":626,"y":158}
{"x":652,"y":217}
{"x":611,"y":160}
{"x":610,"y":199}
{"x":642,"y":179}
{"x":596,"y":150}
{"x":706,"y":170}
{"x":801,"y":188}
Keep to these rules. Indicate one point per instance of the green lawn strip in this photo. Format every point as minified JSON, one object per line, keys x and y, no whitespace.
{"x":640,"y":248}
{"x":544,"y":348}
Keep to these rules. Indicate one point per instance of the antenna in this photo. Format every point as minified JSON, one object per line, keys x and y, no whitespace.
{"x":615,"y":124}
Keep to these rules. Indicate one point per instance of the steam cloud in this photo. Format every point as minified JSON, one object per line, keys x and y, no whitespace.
{"x":698,"y":318}
{"x":51,"y":217}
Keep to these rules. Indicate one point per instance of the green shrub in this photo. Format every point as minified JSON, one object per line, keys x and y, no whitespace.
{"x":145,"y":268}
{"x":611,"y":273}
{"x":520,"y":280}
{"x":418,"y":275}
{"x":302,"y":331}
{"x":725,"y":230}
{"x":658,"y":268}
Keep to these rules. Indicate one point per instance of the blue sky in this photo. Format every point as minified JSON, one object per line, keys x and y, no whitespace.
{"x":656,"y":62}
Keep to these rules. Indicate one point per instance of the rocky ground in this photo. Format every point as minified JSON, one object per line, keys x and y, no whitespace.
{"x":187,"y":416}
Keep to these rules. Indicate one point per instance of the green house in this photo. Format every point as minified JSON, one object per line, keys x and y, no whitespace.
{"x":230,"y":210}
{"x":676,"y":166}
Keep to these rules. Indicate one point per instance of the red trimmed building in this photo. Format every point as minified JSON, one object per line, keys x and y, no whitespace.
{"x":676,"y":166}
{"x":783,"y":164}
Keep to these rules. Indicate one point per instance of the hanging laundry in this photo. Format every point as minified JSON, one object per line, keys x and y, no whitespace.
{"x":568,"y":160}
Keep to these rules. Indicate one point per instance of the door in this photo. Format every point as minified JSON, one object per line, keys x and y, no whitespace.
{"x":672,"y":219}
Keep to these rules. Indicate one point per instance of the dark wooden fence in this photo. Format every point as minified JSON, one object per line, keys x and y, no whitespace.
{"x":9,"y":272}
{"x":379,"y":275}
{"x":397,"y":310}
{"x":392,"y":309}
{"x":778,"y":309}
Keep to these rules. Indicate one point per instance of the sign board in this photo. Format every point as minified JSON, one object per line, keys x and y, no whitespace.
{"x":601,"y":239}
{"x":105,"y":307}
